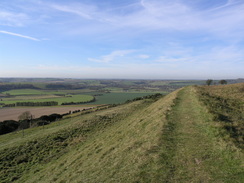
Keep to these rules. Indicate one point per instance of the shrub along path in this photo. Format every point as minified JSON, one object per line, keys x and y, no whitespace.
{"x":190,"y":148}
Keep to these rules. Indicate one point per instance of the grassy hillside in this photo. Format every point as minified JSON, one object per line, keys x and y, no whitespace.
{"x":174,"y":139}
{"x":226,"y":104}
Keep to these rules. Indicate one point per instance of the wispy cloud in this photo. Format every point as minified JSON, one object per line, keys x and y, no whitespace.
{"x":78,"y":9}
{"x":163,"y":15}
{"x":216,"y":57}
{"x":19,"y":35}
{"x":8,"y":18}
{"x":112,"y":56}
{"x":164,"y":59}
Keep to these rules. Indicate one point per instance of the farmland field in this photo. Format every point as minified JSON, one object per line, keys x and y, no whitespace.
{"x":60,"y":100}
{"x":13,"y":113}
{"x":23,"y":92}
{"x":36,"y":90}
{"x":117,"y":98}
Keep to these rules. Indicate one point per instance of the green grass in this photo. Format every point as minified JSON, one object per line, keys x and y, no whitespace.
{"x":225,"y":103}
{"x":25,"y":92}
{"x":173,"y":139}
{"x":190,"y":148}
{"x":117,"y":98}
{"x":96,"y":138}
{"x":60,"y":100}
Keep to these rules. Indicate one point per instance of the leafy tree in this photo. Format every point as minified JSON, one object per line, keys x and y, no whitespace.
{"x":222,"y":82}
{"x":209,"y":82}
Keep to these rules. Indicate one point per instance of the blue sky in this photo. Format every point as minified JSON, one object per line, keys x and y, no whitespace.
{"x":129,"y":39}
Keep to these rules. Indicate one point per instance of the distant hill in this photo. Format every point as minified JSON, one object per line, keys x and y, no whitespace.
{"x":194,"y":134}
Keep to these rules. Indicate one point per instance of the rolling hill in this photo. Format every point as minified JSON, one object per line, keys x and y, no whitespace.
{"x":194,"y":134}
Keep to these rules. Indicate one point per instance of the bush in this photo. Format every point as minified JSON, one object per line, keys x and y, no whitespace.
{"x":51,"y":118}
{"x":8,"y":126}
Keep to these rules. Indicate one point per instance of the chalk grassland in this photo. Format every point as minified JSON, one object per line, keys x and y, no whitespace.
{"x":13,"y":113}
{"x":233,"y":91}
{"x":122,"y":133}
{"x":226,"y":104}
{"x":173,"y":139}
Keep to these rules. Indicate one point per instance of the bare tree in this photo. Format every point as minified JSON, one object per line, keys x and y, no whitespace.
{"x":25,"y":116}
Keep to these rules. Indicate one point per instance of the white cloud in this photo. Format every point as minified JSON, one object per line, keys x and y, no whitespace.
{"x":112,"y":56}
{"x":143,"y":56}
{"x":19,"y":35}
{"x":165,"y":59}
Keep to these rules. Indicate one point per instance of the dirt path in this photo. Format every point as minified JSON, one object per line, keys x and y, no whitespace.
{"x":190,"y":151}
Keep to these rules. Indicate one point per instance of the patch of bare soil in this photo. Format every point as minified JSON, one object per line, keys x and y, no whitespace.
{"x":13,"y":113}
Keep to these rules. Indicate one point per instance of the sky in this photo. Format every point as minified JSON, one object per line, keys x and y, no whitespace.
{"x":122,"y":39}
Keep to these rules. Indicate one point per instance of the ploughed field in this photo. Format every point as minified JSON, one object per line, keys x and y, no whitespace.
{"x":14,"y":113}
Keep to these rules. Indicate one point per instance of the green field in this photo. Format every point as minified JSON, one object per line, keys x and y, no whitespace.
{"x":60,"y":100}
{"x":22,"y":92}
{"x":34,"y":95}
{"x":26,"y":92}
{"x":117,"y":98}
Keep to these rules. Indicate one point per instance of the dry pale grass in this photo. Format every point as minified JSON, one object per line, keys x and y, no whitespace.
{"x":232,"y":91}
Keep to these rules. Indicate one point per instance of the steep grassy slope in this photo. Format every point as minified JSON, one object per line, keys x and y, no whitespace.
{"x":173,"y":139}
{"x":132,"y":129}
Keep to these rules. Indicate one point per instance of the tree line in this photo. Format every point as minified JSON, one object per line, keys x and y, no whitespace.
{"x":210,"y":81}
{"x":77,"y":103}
{"x":48,"y":103}
{"x":6,"y":87}
{"x":27,"y":120}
